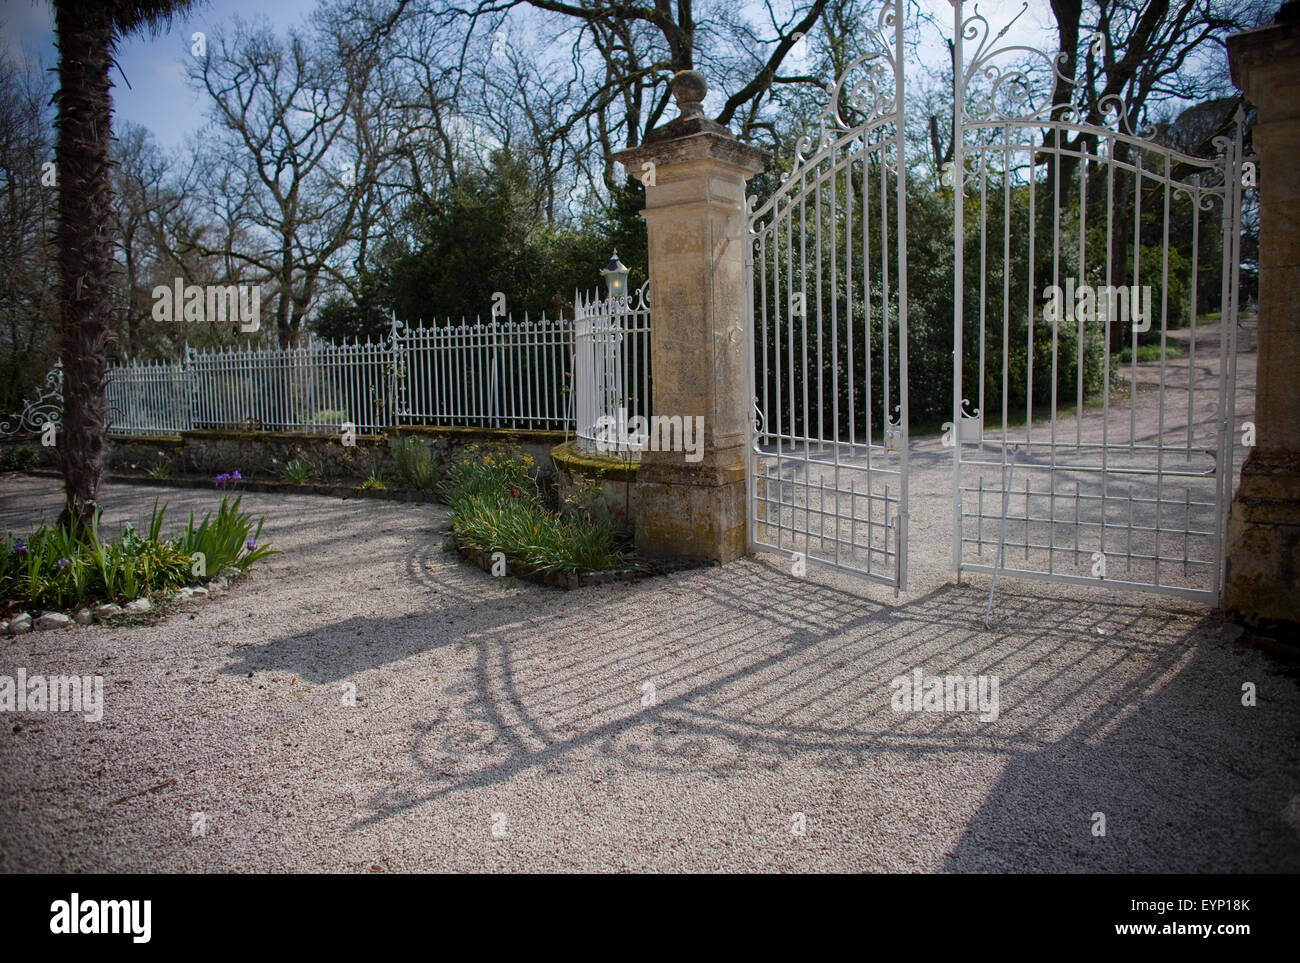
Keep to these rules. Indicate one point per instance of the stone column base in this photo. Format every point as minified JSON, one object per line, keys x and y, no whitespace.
{"x":1261,"y":588}
{"x":690,"y":511}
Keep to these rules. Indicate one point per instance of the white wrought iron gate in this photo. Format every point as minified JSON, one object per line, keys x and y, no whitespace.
{"x":1092,"y":442}
{"x":1085,"y":464}
{"x":828,"y":474}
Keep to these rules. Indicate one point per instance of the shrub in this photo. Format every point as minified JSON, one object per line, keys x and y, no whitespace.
{"x":415,"y":463}
{"x":497,"y":472}
{"x":19,"y":457}
{"x":496,"y":507}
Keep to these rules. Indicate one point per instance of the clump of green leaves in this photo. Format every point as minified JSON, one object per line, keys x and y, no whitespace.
{"x":55,"y":568}
{"x":496,"y":507}
{"x":296,"y":471}
{"x":415,"y":463}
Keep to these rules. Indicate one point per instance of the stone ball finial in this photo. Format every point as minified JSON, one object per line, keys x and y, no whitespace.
{"x":689,"y":88}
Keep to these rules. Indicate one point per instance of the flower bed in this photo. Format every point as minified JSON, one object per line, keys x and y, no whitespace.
{"x":497,"y":508}
{"x":55,"y":569}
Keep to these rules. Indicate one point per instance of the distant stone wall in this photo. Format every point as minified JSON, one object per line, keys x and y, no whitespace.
{"x":262,"y":455}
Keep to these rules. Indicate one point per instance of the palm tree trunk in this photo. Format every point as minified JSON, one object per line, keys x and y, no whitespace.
{"x":86,"y":33}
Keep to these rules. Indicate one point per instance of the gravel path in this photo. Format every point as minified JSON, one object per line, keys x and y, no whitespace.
{"x":502,"y":726}
{"x":481,"y":704}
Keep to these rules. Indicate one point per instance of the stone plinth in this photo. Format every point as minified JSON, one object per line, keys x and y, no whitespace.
{"x":1262,"y":587}
{"x":697,"y":224}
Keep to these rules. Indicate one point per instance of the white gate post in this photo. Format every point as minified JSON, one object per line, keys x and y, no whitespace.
{"x":695,"y":173}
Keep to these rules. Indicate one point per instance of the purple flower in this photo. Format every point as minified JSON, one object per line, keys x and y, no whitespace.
{"x":236,"y":475}
{"x":251,"y":543}
{"x":62,"y":563}
{"x":20,"y":548}
{"x":220,"y":480}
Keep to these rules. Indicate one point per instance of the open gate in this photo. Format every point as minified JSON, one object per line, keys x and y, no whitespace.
{"x":828,"y":476}
{"x":1092,"y":434}
{"x":1071,"y":462}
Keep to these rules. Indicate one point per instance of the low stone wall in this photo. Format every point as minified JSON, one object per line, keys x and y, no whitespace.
{"x":264,"y":454}
{"x":596,"y":484}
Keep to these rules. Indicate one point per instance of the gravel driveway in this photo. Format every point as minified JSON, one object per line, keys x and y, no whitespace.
{"x":687,"y":723}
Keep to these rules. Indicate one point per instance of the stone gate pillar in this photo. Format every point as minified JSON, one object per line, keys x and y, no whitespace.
{"x":695,"y":173}
{"x":1262,"y":587}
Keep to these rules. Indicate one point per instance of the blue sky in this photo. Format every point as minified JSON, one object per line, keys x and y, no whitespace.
{"x":158,"y":97}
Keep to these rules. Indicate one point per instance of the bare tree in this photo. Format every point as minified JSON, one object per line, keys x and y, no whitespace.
{"x":28,"y":279}
{"x":281,"y":108}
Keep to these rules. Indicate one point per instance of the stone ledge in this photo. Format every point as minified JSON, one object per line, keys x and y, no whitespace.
{"x":330,"y":434}
{"x":568,"y":458}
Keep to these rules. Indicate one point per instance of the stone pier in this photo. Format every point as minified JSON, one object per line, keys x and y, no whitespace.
{"x":1262,"y":588}
{"x":695,"y":173}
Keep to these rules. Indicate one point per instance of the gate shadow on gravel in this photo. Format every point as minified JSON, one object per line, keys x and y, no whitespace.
{"x":1189,"y":781}
{"x":749,"y":676}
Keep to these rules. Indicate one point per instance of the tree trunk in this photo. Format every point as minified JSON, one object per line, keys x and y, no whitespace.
{"x":84,"y":239}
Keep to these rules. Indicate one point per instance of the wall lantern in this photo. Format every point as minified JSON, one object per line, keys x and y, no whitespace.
{"x":615,"y":274}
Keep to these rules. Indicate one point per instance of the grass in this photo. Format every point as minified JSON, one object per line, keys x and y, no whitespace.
{"x":1147,"y":352}
{"x":56,"y":568}
{"x":161,"y":470}
{"x":375,"y":482}
{"x":497,"y":507}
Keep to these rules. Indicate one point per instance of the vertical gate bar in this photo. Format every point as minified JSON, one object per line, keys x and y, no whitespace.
{"x":958,"y":232}
{"x":751,"y":396}
{"x":835,"y":346}
{"x":1002,"y":537}
{"x":789,"y":373}
{"x":803,"y":356}
{"x":1105,"y":354}
{"x":1006,"y":280}
{"x":1137,"y":257}
{"x":867,"y":398}
{"x":817,"y":215}
{"x":767,"y":408}
{"x":1128,"y":566}
{"x":885,"y":298}
{"x":1076,"y":523}
{"x":1164,"y":351}
{"x":853,"y":522}
{"x":1083,"y":279}
{"x":1191,"y":341}
{"x":1029,"y":327}
{"x":1056,"y":344}
{"x":848,"y":294}
{"x":901,"y":207}
{"x":982,"y":155}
